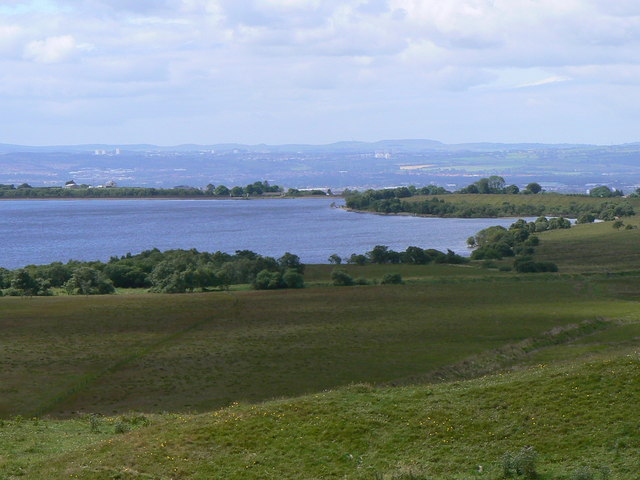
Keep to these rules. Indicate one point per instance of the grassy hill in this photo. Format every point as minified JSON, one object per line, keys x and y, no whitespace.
{"x":578,"y":415}
{"x":592,"y":248}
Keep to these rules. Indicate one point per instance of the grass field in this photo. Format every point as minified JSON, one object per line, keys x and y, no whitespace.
{"x":153,"y":353}
{"x":427,"y":380}
{"x":593,"y":248}
{"x":545,"y":199}
{"x":577,"y":416}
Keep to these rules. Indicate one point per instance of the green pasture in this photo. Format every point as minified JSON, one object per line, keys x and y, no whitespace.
{"x":593,"y":248}
{"x":579,"y":417}
{"x":546,"y":199}
{"x":195,"y":352}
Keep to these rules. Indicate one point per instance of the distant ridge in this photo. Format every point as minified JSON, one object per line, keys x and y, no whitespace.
{"x":399,"y":145}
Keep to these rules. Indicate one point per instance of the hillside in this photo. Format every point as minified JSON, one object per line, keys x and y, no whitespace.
{"x":575,"y":415}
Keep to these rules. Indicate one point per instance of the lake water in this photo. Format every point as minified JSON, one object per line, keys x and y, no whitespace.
{"x":38,"y":232}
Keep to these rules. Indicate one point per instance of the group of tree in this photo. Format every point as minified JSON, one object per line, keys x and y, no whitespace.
{"x":497,"y":185}
{"x":85,"y":191}
{"x":519,"y":241}
{"x":605,"y":192}
{"x":172,"y":271}
{"x":382,"y":254}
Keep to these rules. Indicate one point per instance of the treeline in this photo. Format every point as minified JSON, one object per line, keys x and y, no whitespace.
{"x":86,"y":191}
{"x":382,"y":254}
{"x":172,"y":271}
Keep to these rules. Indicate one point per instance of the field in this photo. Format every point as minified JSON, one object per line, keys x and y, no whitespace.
{"x":547,"y":199}
{"x":435,"y":379}
{"x":593,"y":248}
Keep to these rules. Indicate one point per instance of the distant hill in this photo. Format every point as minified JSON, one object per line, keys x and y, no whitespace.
{"x":400,"y":145}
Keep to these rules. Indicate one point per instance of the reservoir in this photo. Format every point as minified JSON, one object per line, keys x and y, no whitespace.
{"x":44,"y":231}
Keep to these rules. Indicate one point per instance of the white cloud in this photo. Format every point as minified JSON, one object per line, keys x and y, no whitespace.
{"x":54,"y":49}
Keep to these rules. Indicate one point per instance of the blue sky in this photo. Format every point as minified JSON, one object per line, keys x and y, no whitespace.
{"x":312,"y":71}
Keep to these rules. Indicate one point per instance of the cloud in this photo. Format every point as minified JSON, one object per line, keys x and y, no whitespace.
{"x":273,"y":59}
{"x":54,"y":49}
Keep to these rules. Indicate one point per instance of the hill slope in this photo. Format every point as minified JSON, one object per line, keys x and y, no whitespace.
{"x":577,"y":414}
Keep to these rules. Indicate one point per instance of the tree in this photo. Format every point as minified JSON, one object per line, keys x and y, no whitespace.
{"x":357,"y":259}
{"x":293,"y":279}
{"x":496,"y":184}
{"x":24,"y":283}
{"x":266,"y":280}
{"x":221,"y":191}
{"x":534,"y":188}
{"x":289,"y":260}
{"x":237,"y":192}
{"x":335,"y":259}
{"x":512,"y":189}
{"x":602,"y":191}
{"x":88,"y":281}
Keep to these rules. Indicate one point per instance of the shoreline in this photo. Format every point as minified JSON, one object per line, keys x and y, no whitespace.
{"x":203,"y":198}
{"x":422,"y":215}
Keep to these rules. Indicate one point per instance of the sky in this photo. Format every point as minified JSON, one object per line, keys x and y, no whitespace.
{"x":309,"y":71}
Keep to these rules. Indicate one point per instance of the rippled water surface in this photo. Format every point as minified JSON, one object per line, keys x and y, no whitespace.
{"x":36,"y":231}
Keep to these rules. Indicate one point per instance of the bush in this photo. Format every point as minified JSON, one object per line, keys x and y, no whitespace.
{"x":586,"y":218}
{"x":392,"y":279}
{"x":527,"y":265}
{"x":618,"y":224}
{"x":266,"y":280}
{"x":340,"y":278}
{"x":293,"y":279}
{"x":522,"y":463}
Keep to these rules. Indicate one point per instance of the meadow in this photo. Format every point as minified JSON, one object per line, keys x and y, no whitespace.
{"x":435,"y":379}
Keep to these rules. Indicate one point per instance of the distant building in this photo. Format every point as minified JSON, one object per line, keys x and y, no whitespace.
{"x":110,"y":184}
{"x":71,"y":184}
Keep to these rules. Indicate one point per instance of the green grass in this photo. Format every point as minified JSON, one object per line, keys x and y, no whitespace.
{"x":592,"y":248}
{"x":575,"y":414}
{"x":321,"y":274}
{"x":151,"y":353}
{"x":546,"y":199}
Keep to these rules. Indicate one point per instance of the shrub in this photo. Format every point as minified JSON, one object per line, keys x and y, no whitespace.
{"x":586,"y":218}
{"x":122,"y":427}
{"x":293,"y":279}
{"x":340,"y":278}
{"x":586,"y":473}
{"x":266,"y":280}
{"x":527,"y":265}
{"x":522,"y":463}
{"x":391,"y":279}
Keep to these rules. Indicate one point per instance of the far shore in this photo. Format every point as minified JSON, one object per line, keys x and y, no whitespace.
{"x":177,"y":197}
